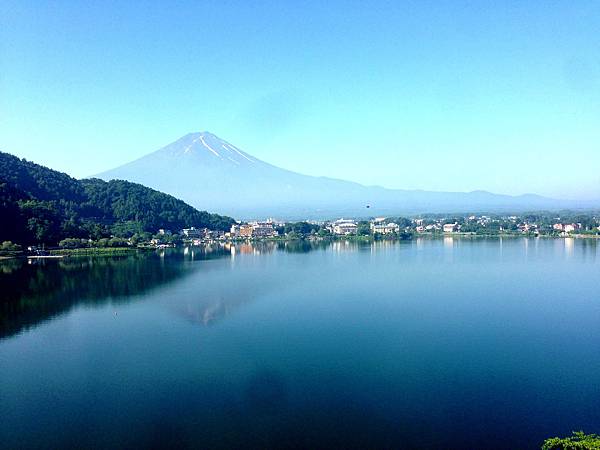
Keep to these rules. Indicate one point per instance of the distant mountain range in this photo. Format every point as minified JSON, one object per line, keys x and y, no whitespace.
{"x":213,"y":174}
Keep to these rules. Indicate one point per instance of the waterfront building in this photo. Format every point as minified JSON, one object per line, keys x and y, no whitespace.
{"x":245,"y":230}
{"x":384,"y":228}
{"x":263,"y":229}
{"x":450,"y":228}
{"x":194,"y":233}
{"x":344,"y":227}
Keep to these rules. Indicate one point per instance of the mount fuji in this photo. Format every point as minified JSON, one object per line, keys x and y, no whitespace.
{"x":213,"y":174}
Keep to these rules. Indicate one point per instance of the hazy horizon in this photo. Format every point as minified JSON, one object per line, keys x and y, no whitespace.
{"x":95,"y":174}
{"x":438,"y":96}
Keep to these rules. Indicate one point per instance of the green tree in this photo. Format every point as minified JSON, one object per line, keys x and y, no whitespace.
{"x":579,"y":441}
{"x":8,"y":246}
{"x":118,"y":242}
{"x":140,"y":238}
{"x":103,"y":242}
{"x":42,"y":220}
{"x":73,"y":243}
{"x":40,"y":205}
{"x":323,"y":232}
{"x":363,"y":228}
{"x":403,"y":222}
{"x":172,"y":239}
{"x":300,"y":228}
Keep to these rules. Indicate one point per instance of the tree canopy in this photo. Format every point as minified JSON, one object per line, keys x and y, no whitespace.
{"x":41,"y":205}
{"x":579,"y":441}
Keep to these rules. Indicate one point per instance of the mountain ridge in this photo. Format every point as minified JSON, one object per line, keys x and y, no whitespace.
{"x":42,"y":205}
{"x":211,"y":173}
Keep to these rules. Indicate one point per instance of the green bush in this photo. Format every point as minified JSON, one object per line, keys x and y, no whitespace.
{"x":8,"y":246}
{"x":579,"y":441}
{"x":118,"y":242}
{"x":363,"y":228}
{"x":73,"y":243}
{"x":102,"y":242}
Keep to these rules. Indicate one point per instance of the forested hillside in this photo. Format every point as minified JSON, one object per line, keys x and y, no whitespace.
{"x":40,"y":205}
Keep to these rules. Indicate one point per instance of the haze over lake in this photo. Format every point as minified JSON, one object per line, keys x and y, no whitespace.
{"x":429,"y":343}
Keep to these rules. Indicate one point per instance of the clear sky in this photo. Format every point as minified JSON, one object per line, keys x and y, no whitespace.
{"x":499,"y":95}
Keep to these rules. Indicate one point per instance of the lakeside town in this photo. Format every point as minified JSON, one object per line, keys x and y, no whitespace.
{"x":473,"y":224}
{"x":377,"y":228}
{"x":392,"y":228}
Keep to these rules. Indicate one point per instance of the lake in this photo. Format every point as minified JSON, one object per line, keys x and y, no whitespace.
{"x":430,"y":343}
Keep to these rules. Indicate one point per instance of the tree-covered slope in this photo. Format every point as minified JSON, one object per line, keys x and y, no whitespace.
{"x":39,"y":182}
{"x":41,"y":205}
{"x":124,"y":201}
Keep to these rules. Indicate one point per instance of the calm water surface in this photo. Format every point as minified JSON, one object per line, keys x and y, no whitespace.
{"x":424,"y":344}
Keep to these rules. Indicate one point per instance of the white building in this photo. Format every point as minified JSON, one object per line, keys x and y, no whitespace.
{"x":385,"y":228}
{"x":450,"y":228}
{"x":216,"y":234}
{"x":194,"y":233}
{"x":344,"y":226}
{"x":253,"y":229}
{"x":241,"y":230}
{"x":567,"y":227}
{"x":263,"y":229}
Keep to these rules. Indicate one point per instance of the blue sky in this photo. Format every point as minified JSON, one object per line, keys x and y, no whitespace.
{"x":502,"y":96}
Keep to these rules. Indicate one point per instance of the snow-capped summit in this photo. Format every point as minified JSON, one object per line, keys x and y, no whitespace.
{"x":204,"y":144}
{"x":213,"y":174}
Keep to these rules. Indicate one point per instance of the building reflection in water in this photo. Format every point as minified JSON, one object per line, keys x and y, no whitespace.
{"x":448,"y":242}
{"x":589,"y":248}
{"x":35,"y":291}
{"x":569,"y":246}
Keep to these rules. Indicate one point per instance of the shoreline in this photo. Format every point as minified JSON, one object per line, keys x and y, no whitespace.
{"x":122,"y":251}
{"x":546,"y":236}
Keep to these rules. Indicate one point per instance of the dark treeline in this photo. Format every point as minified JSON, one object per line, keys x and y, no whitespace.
{"x":40,"y":205}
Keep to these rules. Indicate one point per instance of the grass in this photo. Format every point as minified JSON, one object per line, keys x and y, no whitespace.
{"x":94,"y":251}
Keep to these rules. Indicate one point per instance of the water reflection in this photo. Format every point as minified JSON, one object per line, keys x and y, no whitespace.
{"x":589,"y":248}
{"x":311,"y":339}
{"x":569,"y":246}
{"x":33,"y":292}
{"x":448,"y":242}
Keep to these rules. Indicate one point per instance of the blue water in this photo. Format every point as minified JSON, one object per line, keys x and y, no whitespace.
{"x":432,"y":343}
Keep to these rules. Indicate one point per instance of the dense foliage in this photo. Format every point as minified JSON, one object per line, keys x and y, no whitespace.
{"x":40,"y":205}
{"x":533,"y":223}
{"x":579,"y":441}
{"x":301,"y":228}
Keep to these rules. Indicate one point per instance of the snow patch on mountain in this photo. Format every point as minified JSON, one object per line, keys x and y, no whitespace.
{"x":212,"y":174}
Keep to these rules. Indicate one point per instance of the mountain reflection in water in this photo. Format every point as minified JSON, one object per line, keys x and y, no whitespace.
{"x":34,"y":291}
{"x":430,"y":343}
